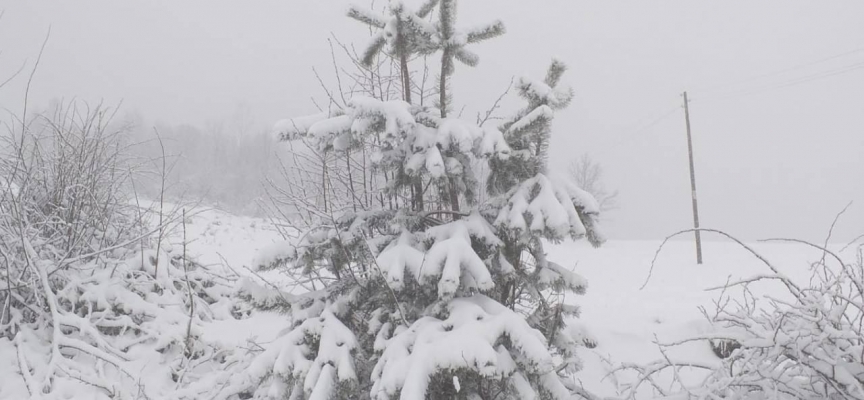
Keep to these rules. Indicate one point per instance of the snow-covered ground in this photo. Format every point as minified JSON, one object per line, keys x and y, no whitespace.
{"x":624,"y":319}
{"x":627,"y":320}
{"x":219,"y":239}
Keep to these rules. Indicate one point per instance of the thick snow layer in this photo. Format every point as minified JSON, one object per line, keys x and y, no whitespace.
{"x":466,"y":339}
{"x":395,"y":114}
{"x":540,"y":205}
{"x":12,"y":386}
{"x":218,"y":238}
{"x":335,"y":132}
{"x":624,"y":320}
{"x":450,"y":259}
{"x":441,"y":147}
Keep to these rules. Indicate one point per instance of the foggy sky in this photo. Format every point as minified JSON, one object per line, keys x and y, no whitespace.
{"x":777,"y":89}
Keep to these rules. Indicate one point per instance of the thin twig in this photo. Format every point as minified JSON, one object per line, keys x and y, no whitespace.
{"x":774,"y":269}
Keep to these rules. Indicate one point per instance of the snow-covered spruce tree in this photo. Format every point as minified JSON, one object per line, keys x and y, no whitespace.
{"x":438,"y":297}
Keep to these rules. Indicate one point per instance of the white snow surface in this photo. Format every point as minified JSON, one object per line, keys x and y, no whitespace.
{"x":624,"y":320}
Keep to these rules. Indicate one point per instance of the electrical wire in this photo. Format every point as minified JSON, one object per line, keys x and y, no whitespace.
{"x":746,"y":91}
{"x":714,"y":88}
{"x":788,"y":83}
{"x":626,"y":137}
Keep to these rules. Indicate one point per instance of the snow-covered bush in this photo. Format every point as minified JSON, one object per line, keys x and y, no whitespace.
{"x":431,"y":294}
{"x":807,"y":343}
{"x":90,"y":309}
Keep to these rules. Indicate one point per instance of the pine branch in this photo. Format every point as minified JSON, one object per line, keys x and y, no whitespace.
{"x":556,"y":70}
{"x":426,"y":8}
{"x":466,"y":57}
{"x":447,"y":18}
{"x":367,"y":17}
{"x":490,"y":31}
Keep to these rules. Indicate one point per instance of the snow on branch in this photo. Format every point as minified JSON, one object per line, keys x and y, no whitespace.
{"x":449,"y":259}
{"x":486,"y":32}
{"x":479,"y":335}
{"x":538,"y":205}
{"x":294,"y":128}
{"x":366,"y":16}
{"x":539,"y":92}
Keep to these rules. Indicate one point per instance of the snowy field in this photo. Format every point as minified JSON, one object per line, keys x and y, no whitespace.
{"x":624,"y":319}
{"x":627,"y":320}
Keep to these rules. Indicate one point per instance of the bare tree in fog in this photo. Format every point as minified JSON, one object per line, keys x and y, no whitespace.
{"x":588,"y":175}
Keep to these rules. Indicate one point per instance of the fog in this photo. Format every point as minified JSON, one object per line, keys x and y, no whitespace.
{"x":777,"y":90}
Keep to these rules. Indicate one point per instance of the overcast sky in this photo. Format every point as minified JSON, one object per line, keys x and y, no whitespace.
{"x":777,"y":89}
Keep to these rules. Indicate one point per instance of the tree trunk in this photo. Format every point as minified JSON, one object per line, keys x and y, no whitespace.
{"x":417,"y":184}
{"x":406,"y":79}
{"x":442,"y":103}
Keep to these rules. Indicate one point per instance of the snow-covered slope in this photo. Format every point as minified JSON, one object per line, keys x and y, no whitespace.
{"x":222,"y":240}
{"x":624,"y":319}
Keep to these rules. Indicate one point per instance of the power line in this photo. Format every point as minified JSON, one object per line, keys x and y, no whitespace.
{"x":628,"y":136}
{"x":858,"y":65}
{"x":781,"y":71}
{"x":791,"y":82}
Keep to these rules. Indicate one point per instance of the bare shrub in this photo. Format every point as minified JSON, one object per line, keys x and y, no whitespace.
{"x":78,"y":284}
{"x":806,"y":344}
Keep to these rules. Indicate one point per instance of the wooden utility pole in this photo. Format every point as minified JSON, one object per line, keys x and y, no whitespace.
{"x":693,"y":183}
